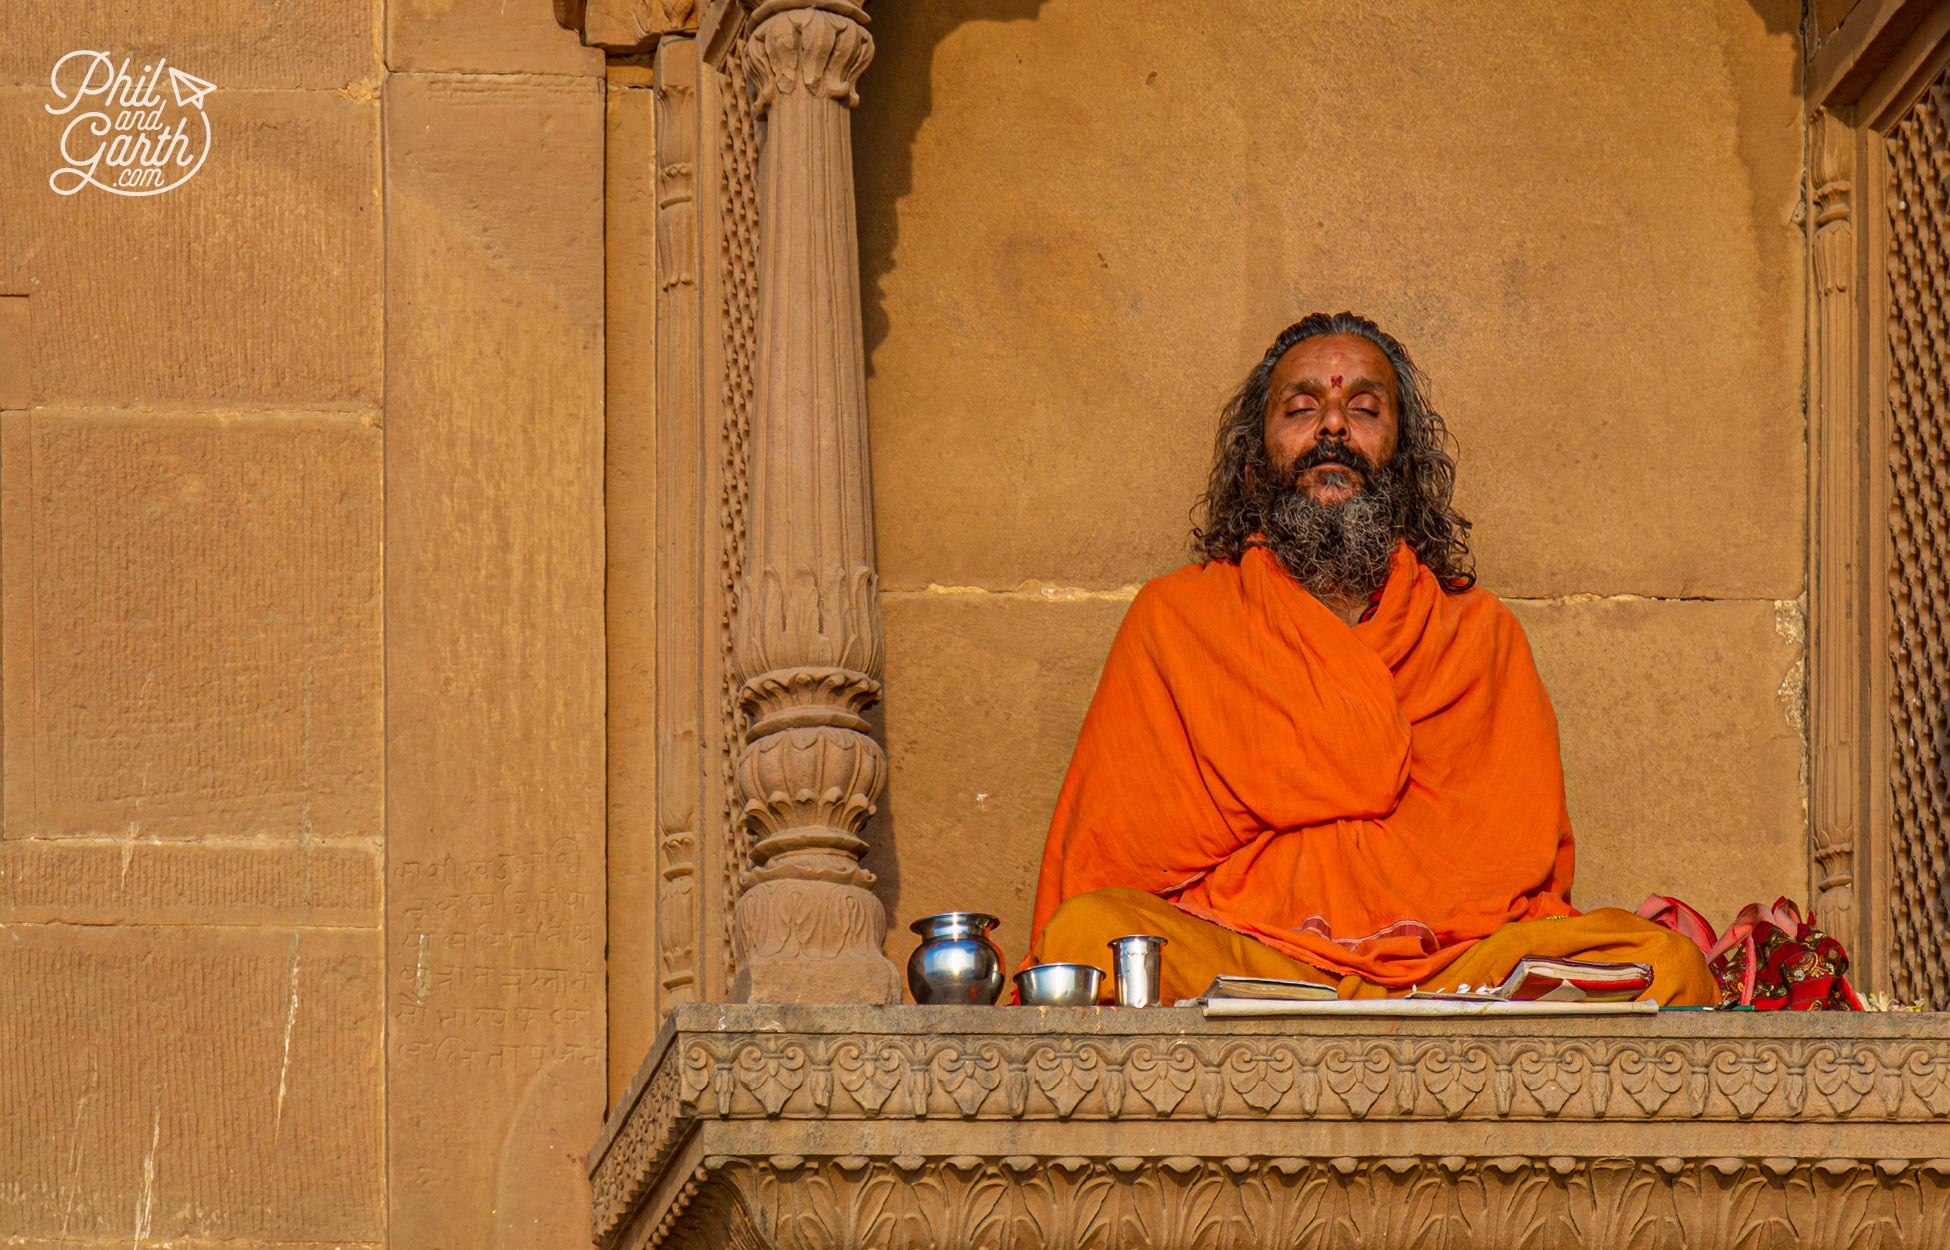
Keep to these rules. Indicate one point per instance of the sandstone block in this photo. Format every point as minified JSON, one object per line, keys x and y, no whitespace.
{"x":1611,"y":313}
{"x":191,"y":625}
{"x":254,"y":283}
{"x":483,"y":37}
{"x":196,"y":1085}
{"x":16,"y":352}
{"x":49,"y":881}
{"x":495,"y":675}
{"x":234,"y":43}
{"x":1681,"y":732}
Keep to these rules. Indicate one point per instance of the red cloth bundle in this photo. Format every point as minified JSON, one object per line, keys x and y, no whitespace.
{"x":1770,"y":958}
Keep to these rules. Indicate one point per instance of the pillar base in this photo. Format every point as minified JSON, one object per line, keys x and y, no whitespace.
{"x":864,"y":980}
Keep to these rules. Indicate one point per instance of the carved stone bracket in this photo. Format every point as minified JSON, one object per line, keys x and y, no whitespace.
{"x":953,"y":1127}
{"x":625,"y":27}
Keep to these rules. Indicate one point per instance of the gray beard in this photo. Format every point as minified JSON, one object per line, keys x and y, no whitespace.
{"x":1335,"y":550}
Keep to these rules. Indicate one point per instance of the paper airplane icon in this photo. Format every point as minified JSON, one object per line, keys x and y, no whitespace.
{"x":189,"y":89}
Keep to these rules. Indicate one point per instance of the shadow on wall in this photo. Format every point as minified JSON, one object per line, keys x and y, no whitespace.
{"x":1786,"y":17}
{"x":883,"y":854}
{"x":896,"y":97}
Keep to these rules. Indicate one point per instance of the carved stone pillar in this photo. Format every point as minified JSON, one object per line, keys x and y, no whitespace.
{"x":1836,"y":677}
{"x":808,"y":927}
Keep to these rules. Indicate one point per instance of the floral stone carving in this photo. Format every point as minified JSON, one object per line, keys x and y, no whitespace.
{"x":980,"y":1127}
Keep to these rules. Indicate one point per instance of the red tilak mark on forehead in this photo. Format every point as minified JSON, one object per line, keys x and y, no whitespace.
{"x":1337,"y":379}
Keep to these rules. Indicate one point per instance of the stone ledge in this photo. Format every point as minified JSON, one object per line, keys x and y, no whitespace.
{"x":803,"y":1126}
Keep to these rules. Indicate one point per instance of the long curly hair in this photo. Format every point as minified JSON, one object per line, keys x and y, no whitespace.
{"x":1229,"y":511}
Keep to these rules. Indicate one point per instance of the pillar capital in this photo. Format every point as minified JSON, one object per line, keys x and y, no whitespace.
{"x":818,"y":48}
{"x":763,"y":10}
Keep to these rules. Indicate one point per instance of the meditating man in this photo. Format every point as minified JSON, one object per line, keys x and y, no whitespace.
{"x":1323,"y":753}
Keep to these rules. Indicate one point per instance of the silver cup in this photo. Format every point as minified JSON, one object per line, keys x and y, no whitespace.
{"x":1138,"y":961}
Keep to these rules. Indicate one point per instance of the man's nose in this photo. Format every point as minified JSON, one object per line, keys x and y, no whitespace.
{"x":1333,"y":421}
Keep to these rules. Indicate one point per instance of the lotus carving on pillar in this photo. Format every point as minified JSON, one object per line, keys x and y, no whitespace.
{"x":810,"y":789}
{"x":811,"y":640}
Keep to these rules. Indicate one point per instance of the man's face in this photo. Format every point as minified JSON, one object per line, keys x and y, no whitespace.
{"x":1331,"y":394}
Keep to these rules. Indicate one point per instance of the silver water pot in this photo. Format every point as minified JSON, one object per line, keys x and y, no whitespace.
{"x":955,"y":962}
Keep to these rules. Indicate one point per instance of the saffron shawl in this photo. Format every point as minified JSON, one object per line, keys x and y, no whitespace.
{"x":1371,"y":799}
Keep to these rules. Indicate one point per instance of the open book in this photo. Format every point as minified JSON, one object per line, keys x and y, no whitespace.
{"x":1265,"y":989}
{"x":1537,"y":979}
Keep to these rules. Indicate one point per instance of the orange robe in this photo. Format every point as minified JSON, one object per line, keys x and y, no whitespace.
{"x":1368,"y":801}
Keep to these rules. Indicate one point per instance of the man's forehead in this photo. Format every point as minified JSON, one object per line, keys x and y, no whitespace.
{"x":1331,"y":360}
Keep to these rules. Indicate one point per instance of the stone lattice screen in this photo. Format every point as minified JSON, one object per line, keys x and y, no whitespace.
{"x":738,"y":333}
{"x":1919,"y":373}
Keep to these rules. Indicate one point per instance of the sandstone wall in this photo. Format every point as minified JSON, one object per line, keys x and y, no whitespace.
{"x":302,"y":682}
{"x":301,"y":679}
{"x":1082,"y":223}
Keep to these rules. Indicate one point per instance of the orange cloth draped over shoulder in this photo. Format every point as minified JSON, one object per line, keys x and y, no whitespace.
{"x":1370,"y":801}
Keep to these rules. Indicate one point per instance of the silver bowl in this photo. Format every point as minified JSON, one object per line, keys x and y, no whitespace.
{"x":955,"y":962}
{"x":1059,"y":985}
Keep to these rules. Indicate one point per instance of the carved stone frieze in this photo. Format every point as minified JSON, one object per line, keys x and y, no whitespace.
{"x":1212,"y":1078}
{"x":1241,"y":1202}
{"x":1053,"y":1121}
